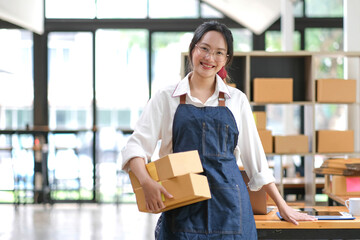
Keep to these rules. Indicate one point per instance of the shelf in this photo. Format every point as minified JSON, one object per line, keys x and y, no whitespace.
{"x":302,"y":67}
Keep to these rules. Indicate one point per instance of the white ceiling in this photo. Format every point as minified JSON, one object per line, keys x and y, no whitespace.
{"x":24,"y":13}
{"x":256,"y":15}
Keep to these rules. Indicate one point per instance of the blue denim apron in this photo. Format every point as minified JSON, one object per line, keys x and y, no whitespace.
{"x":228,"y":214}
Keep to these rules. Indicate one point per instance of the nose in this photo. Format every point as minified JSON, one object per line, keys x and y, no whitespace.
{"x":209,"y":55}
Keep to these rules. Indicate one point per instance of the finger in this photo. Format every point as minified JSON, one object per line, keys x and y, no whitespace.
{"x":166,"y":193}
{"x":148,"y":207}
{"x":292,"y":220}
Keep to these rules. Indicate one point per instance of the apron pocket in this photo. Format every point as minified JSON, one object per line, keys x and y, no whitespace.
{"x":225,"y":209}
{"x":214,"y":139}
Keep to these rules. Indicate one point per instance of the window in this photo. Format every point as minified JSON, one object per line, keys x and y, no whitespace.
{"x":121,"y":76}
{"x":324,"y":8}
{"x":173,"y":9}
{"x":166,"y":56}
{"x":16,"y":79}
{"x":121,"y":8}
{"x":70,"y":73}
{"x":70,"y":9}
{"x":273,"y":41}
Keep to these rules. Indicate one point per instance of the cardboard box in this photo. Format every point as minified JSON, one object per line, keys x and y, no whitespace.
{"x":342,"y":185}
{"x":331,"y":141}
{"x":273,"y":90}
{"x":186,"y":189}
{"x":335,"y":90}
{"x":260,"y":119}
{"x":266,"y":140}
{"x":291,"y":144}
{"x":171,"y":165}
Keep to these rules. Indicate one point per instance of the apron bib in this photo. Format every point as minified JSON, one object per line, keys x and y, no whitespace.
{"x":228,"y":214}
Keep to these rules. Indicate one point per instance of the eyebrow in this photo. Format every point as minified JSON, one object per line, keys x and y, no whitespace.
{"x":216,"y":49}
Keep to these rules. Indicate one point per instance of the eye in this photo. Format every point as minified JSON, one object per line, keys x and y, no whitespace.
{"x":220,"y":53}
{"x":205,"y":49}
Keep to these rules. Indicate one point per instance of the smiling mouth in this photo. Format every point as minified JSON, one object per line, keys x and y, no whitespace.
{"x":206,"y":65}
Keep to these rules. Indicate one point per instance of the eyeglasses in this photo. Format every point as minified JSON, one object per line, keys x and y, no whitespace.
{"x":218,"y":55}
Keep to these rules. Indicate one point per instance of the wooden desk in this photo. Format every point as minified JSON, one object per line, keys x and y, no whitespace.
{"x":271,"y":227}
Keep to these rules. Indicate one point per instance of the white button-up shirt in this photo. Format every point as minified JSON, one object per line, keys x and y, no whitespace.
{"x":156,"y":124}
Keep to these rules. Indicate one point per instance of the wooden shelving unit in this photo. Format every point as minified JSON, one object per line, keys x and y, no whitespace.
{"x":301,"y":66}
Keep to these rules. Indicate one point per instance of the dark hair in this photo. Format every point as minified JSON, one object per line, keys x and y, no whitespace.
{"x":212,"y":26}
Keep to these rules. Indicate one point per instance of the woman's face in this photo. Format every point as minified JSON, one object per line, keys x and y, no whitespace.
{"x":209,"y":54}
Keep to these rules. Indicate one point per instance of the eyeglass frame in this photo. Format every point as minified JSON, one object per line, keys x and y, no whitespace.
{"x":206,"y":53}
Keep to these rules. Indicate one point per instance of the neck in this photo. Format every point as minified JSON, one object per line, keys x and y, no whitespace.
{"x":202,"y":88}
{"x":199,"y":83}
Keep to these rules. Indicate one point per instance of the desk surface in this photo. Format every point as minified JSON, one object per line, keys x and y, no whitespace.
{"x":271,"y":221}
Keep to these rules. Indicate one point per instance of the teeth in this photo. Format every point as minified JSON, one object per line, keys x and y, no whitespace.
{"x":209,"y":66}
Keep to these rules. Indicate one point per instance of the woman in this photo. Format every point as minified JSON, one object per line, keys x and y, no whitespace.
{"x":202,"y":113}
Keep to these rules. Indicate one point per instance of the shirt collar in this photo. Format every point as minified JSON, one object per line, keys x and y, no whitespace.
{"x":183,"y":87}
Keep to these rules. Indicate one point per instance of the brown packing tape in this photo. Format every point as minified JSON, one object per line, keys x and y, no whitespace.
{"x":151,"y":169}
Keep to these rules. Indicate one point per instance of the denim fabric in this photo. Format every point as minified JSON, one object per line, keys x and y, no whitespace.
{"x":228,"y":214}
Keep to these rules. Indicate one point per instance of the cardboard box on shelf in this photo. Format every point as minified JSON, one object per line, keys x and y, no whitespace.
{"x":291,"y":144}
{"x":186,"y":189}
{"x":332,"y":141}
{"x":260,"y":119}
{"x":335,"y":90}
{"x":266,"y":140}
{"x":171,"y":165}
{"x":273,"y":90}
{"x":345,"y":186}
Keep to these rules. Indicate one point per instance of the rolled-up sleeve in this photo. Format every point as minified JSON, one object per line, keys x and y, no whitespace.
{"x":251,"y":150}
{"x":147,"y":132}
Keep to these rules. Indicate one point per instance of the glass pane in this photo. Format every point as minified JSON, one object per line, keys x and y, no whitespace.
{"x":174,"y":9}
{"x":70,"y":8}
{"x":121,"y":9}
{"x":242,"y":40}
{"x":167,"y":48}
{"x":331,"y":117}
{"x":324,"y":8}
{"x":122,"y":87}
{"x":318,"y":39}
{"x":324,"y":39}
{"x":70,"y":149}
{"x":273,"y":41}
{"x":70,"y":91}
{"x":16,"y":79}
{"x":298,"y":9}
{"x":209,"y":12}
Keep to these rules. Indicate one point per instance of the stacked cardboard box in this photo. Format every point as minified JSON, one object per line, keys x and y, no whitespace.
{"x":330,"y":141}
{"x":291,"y":144}
{"x":335,"y":90}
{"x":177,"y":173}
{"x":273,"y":90}
{"x":264,"y":134}
{"x":342,"y":176}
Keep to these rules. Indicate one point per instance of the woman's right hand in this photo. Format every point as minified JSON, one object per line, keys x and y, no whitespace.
{"x":152,"y":191}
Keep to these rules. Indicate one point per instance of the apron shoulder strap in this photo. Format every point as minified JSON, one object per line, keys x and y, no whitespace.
{"x":221,"y":99}
{"x":183,"y":99}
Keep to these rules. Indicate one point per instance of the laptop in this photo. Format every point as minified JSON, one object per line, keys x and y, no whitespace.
{"x":257,"y":198}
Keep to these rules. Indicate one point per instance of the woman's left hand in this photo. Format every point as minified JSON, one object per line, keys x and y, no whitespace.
{"x":293,"y":216}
